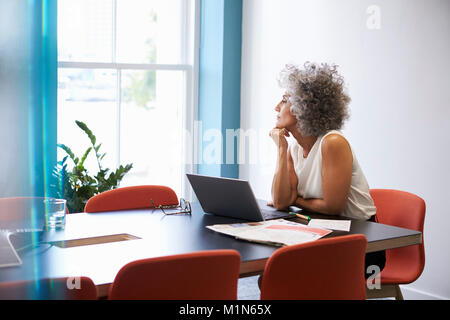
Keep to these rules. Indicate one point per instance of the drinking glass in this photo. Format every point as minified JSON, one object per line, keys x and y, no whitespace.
{"x":55,"y":213}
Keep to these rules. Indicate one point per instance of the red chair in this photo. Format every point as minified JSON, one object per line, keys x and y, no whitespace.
{"x":403,"y":265}
{"x":205,"y":275}
{"x":127,"y":198}
{"x":49,"y":289}
{"x":325,"y":269}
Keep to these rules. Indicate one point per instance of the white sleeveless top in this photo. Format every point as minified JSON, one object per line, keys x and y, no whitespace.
{"x":309,"y":173}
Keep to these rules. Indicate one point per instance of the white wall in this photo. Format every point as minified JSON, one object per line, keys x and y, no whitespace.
{"x":398,"y":79}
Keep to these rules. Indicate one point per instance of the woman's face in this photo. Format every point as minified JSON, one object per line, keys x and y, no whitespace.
{"x":284,"y":117}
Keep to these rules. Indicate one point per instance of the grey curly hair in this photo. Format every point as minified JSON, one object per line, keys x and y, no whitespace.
{"x":317,"y":95}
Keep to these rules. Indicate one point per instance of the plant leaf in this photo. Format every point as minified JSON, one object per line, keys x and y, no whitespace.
{"x":68,"y":151}
{"x":85,"y":128}
{"x":83,"y":159}
{"x":97,"y":147}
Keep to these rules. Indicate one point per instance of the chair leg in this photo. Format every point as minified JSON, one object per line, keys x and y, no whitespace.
{"x":386,"y":291}
{"x":399,"y":295}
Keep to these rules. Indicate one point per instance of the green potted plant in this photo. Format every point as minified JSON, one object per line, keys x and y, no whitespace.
{"x":77,"y":186}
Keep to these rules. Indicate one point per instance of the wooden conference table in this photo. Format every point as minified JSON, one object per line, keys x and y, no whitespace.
{"x":105,"y":242}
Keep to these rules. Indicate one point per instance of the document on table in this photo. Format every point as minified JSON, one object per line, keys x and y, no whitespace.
{"x":276,"y":232}
{"x":341,"y":225}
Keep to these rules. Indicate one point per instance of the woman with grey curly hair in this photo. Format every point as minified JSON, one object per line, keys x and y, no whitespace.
{"x":318,"y":171}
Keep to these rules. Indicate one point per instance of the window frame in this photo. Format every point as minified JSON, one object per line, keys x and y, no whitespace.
{"x":190,"y":67}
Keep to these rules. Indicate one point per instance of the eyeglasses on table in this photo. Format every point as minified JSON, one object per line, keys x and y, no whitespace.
{"x":183,"y":208}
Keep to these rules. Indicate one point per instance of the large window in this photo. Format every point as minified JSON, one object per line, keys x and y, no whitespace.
{"x":126,"y":69}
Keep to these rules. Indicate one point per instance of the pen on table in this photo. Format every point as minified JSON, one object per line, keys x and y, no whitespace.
{"x":301,"y":216}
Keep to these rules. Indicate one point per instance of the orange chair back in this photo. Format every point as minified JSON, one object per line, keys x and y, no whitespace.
{"x":49,"y":289}
{"x":325,"y":269}
{"x":205,"y":275}
{"x":127,"y":198}
{"x":405,"y":210}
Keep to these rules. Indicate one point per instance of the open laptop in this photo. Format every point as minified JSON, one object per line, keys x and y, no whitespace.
{"x":232,"y":198}
{"x":22,"y":224}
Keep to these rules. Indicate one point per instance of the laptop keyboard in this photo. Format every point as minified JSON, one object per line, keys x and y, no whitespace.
{"x":269,"y":215}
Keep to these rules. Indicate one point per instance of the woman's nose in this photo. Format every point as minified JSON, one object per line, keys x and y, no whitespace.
{"x":277,"y":108}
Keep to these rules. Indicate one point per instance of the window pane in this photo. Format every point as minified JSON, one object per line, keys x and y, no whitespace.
{"x":151,"y":127}
{"x":149,"y":31}
{"x":88,"y":95}
{"x":85,"y":29}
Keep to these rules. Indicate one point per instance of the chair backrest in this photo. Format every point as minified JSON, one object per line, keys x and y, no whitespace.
{"x":20,"y":208}
{"x":81,"y":288}
{"x":405,"y":210}
{"x":127,"y":198}
{"x":204,"y":275}
{"x":325,"y":269}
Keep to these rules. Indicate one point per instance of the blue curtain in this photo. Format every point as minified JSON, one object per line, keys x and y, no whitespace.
{"x":28,"y":87}
{"x":220,"y":82}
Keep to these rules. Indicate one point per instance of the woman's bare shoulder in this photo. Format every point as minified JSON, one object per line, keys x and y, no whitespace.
{"x":334,"y":142}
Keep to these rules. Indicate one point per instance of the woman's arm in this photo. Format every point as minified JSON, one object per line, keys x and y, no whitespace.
{"x":284,"y":184}
{"x":337,"y":162}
